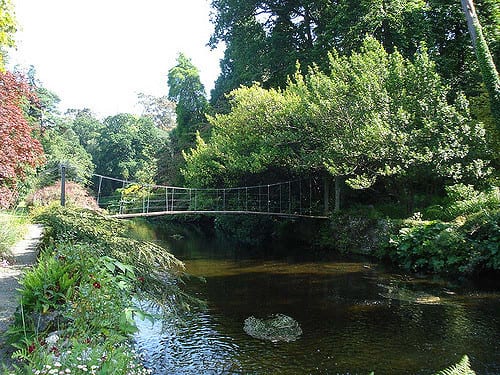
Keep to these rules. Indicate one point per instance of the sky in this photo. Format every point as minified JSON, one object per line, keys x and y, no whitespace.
{"x":100,"y":54}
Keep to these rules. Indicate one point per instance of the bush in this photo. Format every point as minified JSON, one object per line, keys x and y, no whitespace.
{"x":464,"y":246}
{"x":76,"y":195}
{"x":463,"y":200}
{"x":77,"y":305}
{"x":356,"y":232}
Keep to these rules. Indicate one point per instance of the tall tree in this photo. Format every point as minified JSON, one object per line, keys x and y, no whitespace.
{"x":484,"y":58}
{"x":265,"y":38}
{"x":159,"y":109}
{"x":127,"y":148}
{"x":188,"y":93}
{"x":8,"y":28}
{"x":19,"y":149}
{"x":374,"y":114}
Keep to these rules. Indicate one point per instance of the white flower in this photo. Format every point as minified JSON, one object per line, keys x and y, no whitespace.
{"x":52,"y":339}
{"x":57,"y":364}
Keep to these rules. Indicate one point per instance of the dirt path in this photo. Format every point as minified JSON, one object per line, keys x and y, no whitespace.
{"x":23,"y":255}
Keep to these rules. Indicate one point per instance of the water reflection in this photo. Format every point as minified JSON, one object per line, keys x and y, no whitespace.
{"x":355,"y":317}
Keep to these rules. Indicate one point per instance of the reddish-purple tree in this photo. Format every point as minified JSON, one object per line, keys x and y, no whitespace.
{"x":19,"y":150}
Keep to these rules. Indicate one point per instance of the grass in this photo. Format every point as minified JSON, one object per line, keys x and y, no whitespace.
{"x":13,"y":227}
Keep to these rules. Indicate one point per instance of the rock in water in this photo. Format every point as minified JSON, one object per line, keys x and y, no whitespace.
{"x":278,"y":327}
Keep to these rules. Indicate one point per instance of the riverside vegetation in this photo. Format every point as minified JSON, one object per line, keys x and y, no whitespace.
{"x":458,"y":236}
{"x":77,"y":310}
{"x":77,"y":305}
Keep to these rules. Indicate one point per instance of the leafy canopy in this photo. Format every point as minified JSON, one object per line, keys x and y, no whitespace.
{"x":369,"y":114}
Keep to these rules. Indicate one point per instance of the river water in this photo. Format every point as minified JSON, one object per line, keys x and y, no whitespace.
{"x":356,"y":316}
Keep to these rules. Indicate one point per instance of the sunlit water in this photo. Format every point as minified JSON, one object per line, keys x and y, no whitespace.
{"x":355,"y":316}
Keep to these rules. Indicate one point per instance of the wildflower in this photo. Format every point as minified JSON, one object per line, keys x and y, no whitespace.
{"x":4,"y":263}
{"x":57,"y":364}
{"x":31,"y":348}
{"x":97,"y":285}
{"x":140,"y":279}
{"x":83,"y":368}
{"x":52,"y":339}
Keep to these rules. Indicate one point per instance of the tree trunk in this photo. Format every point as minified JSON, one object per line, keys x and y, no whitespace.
{"x":337,"y":193}
{"x":484,"y":58}
{"x":326,"y":194}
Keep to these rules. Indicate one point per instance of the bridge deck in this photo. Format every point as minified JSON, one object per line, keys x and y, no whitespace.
{"x":162,"y":213}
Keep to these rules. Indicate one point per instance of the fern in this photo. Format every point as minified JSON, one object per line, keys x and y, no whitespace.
{"x":461,"y":368}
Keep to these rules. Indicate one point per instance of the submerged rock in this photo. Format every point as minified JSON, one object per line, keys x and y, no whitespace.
{"x":278,"y":327}
{"x":400,"y":293}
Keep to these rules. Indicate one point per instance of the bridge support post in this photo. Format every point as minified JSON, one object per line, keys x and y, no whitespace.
{"x":172,"y":203}
{"x":268,"y":199}
{"x":63,"y":185}
{"x":166,"y":199}
{"x":99,"y":190}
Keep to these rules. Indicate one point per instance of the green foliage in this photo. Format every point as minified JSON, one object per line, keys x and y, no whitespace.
{"x":127,"y":147}
{"x":83,"y":286}
{"x":459,"y":247}
{"x":461,"y":368}
{"x":50,"y":284}
{"x":92,"y":296}
{"x":463,"y":200}
{"x":247,"y":229}
{"x":12,"y":229}
{"x":372,"y":114}
{"x":488,"y":70}
{"x":108,"y":236}
{"x":63,"y":146}
{"x":85,"y":356}
{"x":265,"y":39}
{"x":188,"y":93}
{"x":8,"y":28}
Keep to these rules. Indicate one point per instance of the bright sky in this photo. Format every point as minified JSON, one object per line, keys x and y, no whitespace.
{"x":100,"y":53}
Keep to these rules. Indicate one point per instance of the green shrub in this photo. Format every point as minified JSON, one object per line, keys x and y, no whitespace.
{"x":463,"y":200}
{"x":465,"y":246}
{"x":79,"y":298}
{"x":350,"y":232}
{"x":49,"y":285}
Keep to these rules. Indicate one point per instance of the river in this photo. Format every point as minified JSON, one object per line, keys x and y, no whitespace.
{"x":356,"y":316}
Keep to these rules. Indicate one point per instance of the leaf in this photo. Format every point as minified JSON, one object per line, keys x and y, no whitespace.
{"x":461,"y":368}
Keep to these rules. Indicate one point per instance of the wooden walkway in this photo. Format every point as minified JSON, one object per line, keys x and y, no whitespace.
{"x":162,"y":213}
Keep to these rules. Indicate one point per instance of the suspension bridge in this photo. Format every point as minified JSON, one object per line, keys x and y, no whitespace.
{"x":307,"y":198}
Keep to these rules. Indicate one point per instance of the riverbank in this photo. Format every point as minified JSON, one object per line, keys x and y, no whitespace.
{"x":78,"y":311}
{"x":22,"y":256}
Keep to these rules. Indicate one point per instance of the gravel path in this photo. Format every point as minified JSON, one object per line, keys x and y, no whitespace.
{"x":23,"y":255}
